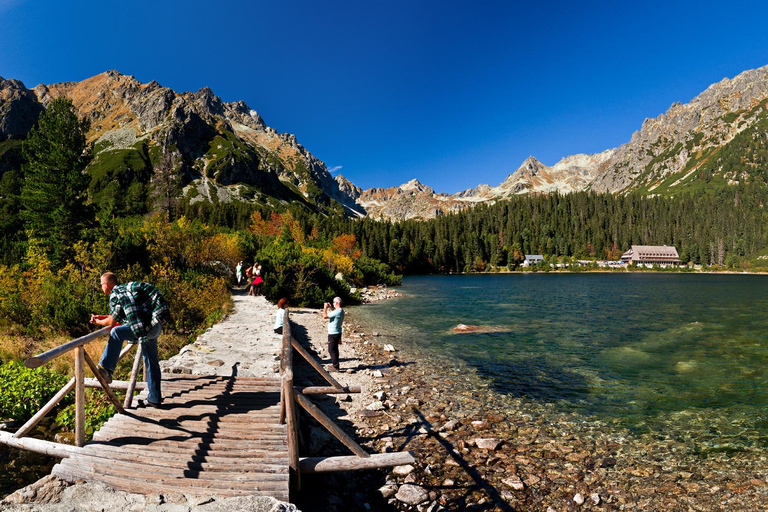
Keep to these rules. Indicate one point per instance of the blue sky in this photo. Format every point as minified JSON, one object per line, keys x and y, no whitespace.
{"x":453,"y":93}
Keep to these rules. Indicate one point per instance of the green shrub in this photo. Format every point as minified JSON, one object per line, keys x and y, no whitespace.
{"x":98,"y":409}
{"x":376,"y":272}
{"x":24,"y":391}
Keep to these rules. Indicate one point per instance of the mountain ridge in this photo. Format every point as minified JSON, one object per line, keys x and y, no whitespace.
{"x":226,"y":151}
{"x":688,"y":146}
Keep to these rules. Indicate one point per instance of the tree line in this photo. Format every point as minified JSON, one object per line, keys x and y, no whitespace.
{"x":726,"y":226}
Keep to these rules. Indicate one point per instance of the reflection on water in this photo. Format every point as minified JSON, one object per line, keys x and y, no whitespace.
{"x":677,"y":354}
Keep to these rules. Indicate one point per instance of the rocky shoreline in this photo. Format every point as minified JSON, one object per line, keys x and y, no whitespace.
{"x":475,"y":450}
{"x":479,"y":451}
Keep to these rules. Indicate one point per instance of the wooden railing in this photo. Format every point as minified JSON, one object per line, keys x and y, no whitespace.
{"x":78,"y":382}
{"x":291,"y":395}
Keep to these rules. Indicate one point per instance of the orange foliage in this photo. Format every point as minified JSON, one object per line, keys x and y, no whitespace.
{"x":345,"y":245}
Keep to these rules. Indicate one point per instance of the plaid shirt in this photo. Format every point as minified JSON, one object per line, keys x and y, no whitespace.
{"x":138,"y":305}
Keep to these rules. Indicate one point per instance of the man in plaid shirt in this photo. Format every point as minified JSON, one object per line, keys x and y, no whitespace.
{"x":140,"y":312}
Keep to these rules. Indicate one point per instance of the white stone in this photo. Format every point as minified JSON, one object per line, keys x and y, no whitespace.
{"x":380,"y":395}
{"x":514,"y":482}
{"x":578,"y":499}
{"x":388,"y":490}
{"x":403,"y":470}
{"x":411,"y":494}
{"x":595,"y":498}
{"x":376,"y":406}
{"x":377,"y":374}
{"x":389,"y":348}
{"x":487,"y":443}
{"x":451,"y":425}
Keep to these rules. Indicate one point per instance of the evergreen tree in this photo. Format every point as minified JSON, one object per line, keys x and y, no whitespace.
{"x":166,"y":183}
{"x":54,"y":194}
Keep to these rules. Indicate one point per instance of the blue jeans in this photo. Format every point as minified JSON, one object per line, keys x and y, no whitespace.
{"x":114,"y":345}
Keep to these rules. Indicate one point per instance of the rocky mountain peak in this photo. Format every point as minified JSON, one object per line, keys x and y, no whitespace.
{"x":19,"y":109}
{"x":348,"y":188}
{"x":415,"y":186}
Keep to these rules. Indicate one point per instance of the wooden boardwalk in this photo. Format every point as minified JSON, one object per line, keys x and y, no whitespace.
{"x":215,"y":435}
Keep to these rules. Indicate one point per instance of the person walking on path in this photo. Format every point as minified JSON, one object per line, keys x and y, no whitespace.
{"x":239,"y":273}
{"x":139,"y":312}
{"x":335,"y":319}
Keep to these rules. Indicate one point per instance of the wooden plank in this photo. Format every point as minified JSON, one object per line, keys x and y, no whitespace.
{"x":210,"y":445}
{"x":41,"y":359}
{"x":242,"y":400}
{"x":225,"y":483}
{"x":202,"y":380}
{"x":79,"y":396}
{"x":221,"y":438}
{"x":104,"y":385}
{"x":256,"y":386}
{"x":132,"y":379}
{"x":224,"y":431}
{"x":205,"y":462}
{"x":261,"y":456}
{"x":38,"y":445}
{"x":328,"y":390}
{"x":148,"y":488}
{"x":93,"y":382}
{"x":154,"y":484}
{"x":240,"y":423}
{"x":146,"y":468}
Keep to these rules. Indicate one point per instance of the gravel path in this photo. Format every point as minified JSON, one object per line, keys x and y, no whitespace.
{"x":243,"y":342}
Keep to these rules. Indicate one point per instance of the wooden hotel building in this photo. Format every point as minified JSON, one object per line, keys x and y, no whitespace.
{"x":651,"y":255}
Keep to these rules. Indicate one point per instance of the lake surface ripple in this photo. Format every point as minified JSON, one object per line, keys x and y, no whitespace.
{"x":680,"y":356}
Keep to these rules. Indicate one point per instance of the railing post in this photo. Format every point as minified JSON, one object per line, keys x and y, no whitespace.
{"x":292,"y":427}
{"x":287,"y":404}
{"x":134,"y":376}
{"x":79,"y":396}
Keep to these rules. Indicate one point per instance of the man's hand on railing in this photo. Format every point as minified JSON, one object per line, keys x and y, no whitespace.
{"x":103,"y":320}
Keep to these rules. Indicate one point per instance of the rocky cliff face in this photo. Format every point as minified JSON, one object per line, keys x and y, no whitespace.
{"x":670,"y":148}
{"x":224,"y":149}
{"x":413,"y":200}
{"x":19,"y":109}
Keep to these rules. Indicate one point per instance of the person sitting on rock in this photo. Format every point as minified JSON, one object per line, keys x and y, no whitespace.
{"x":281,"y":305}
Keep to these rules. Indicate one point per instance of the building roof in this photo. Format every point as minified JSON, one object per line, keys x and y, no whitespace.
{"x":651,"y":251}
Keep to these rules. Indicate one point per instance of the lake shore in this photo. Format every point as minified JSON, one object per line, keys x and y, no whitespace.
{"x":481,"y":451}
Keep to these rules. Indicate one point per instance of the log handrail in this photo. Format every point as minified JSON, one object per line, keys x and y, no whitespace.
{"x":40,"y":359}
{"x":290,"y":396}
{"x":78,"y":383}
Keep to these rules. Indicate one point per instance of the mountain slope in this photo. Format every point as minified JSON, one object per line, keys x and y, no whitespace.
{"x":672,"y":151}
{"x":224,"y":151}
